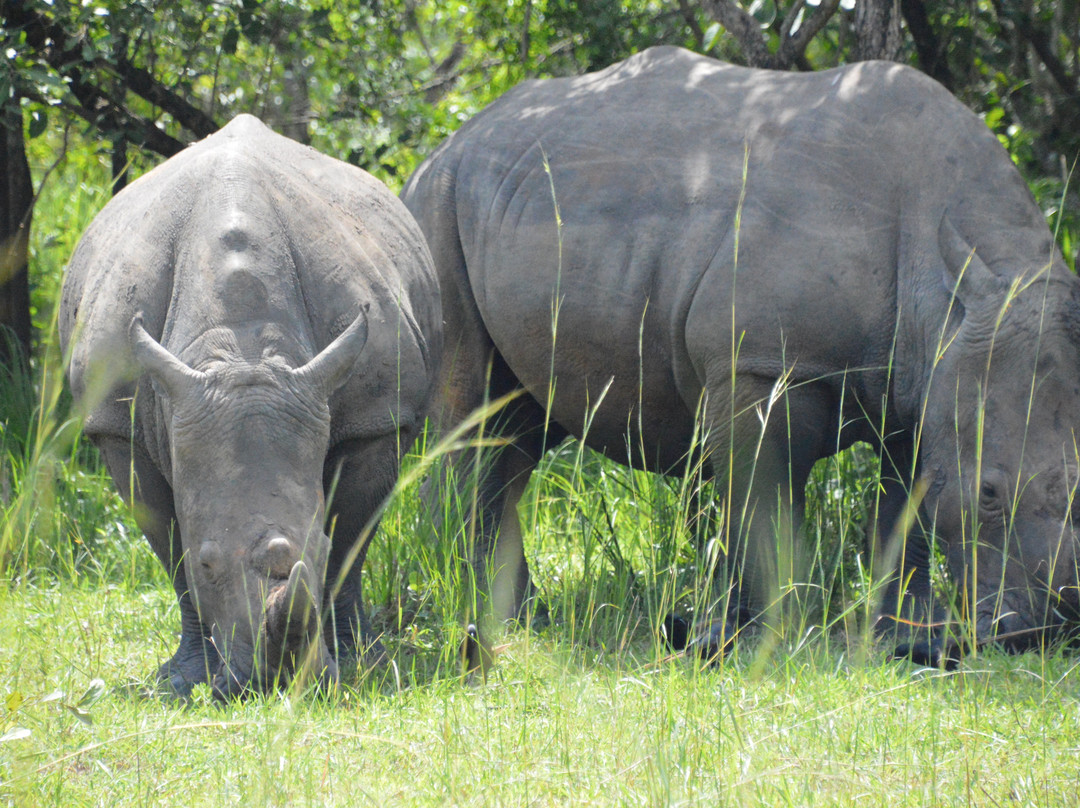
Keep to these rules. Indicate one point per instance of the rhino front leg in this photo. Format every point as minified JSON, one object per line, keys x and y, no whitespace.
{"x":141,"y":485}
{"x":365,"y":472}
{"x":901,"y":549}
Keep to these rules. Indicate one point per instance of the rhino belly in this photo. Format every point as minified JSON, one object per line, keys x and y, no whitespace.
{"x":588,"y":343}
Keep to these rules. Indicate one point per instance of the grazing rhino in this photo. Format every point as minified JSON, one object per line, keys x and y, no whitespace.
{"x":254,"y":328}
{"x":803,"y":261}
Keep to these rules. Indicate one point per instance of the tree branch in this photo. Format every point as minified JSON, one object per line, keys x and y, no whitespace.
{"x":690,"y":18}
{"x":1040,"y":43}
{"x":143,"y":84}
{"x":877,"y":29}
{"x":744,"y":28}
{"x":755,"y":48}
{"x":52,"y":44}
{"x":793,"y":47}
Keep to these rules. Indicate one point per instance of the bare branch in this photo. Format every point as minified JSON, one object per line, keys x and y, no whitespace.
{"x":789,"y":20}
{"x":525,"y":39}
{"x":741,"y":25}
{"x":927,"y":43}
{"x":793,"y":47}
{"x":691,"y":20}
{"x":744,"y":28}
{"x":142,"y":83}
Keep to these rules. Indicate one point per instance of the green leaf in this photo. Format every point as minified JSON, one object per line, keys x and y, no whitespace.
{"x":93,"y":693}
{"x":15,"y":734}
{"x":712,"y":36}
{"x":39,"y":120}
{"x":14,"y":701}
{"x":82,"y":715}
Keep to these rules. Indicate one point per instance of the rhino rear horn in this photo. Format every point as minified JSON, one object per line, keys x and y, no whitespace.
{"x":966,"y":275}
{"x":329,"y":370}
{"x":152,"y":357}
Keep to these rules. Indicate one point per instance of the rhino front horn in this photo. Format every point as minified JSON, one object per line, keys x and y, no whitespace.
{"x":293,"y":627}
{"x":290,"y":609}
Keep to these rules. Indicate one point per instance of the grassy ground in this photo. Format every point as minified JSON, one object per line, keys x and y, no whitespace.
{"x":587,"y":710}
{"x":559,"y":722}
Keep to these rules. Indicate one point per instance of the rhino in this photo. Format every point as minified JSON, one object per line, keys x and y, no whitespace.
{"x":676,"y":254}
{"x":253,"y":329}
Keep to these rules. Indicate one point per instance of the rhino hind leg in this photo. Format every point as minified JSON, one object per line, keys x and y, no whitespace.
{"x":141,"y":485}
{"x":500,"y":567}
{"x":489,"y":484}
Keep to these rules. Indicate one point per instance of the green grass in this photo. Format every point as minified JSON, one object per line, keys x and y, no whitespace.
{"x":588,"y":710}
{"x":560,"y":722}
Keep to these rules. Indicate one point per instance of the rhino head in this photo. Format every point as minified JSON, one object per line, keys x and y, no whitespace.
{"x":248,"y":430}
{"x":1001,"y":451}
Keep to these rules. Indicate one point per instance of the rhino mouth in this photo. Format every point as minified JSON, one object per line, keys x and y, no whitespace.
{"x":246,"y":674}
{"x":289,"y":643}
{"x":1018,"y":625}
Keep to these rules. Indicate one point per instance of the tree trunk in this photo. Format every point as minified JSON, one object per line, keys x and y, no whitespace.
{"x":119,"y":164}
{"x":928,"y":45}
{"x":877,"y":30}
{"x":16,"y":204}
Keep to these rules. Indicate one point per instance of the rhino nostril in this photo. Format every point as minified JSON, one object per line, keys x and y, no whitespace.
{"x":210,"y":555}
{"x":280,"y":557}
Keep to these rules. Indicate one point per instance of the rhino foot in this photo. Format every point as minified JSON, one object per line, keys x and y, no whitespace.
{"x":533,"y":613}
{"x":349,"y":636}
{"x":190,"y":665}
{"x":371,"y":653}
{"x":367,"y":649}
{"x":711,"y":640}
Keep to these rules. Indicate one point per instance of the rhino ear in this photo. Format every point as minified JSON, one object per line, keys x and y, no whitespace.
{"x":329,"y":370}
{"x":965,"y":275}
{"x":172,"y":375}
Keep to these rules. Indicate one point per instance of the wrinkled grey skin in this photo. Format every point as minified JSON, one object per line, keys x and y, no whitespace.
{"x":248,"y":323}
{"x":867,"y":189}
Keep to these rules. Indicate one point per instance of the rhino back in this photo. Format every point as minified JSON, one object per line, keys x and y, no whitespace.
{"x":248,"y":225}
{"x":650,"y":164}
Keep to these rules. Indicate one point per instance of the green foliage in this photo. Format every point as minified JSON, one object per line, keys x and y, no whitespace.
{"x":62,"y":518}
{"x":74,"y":183}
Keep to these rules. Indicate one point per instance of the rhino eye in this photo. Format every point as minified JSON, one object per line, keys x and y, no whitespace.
{"x":989,"y":496}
